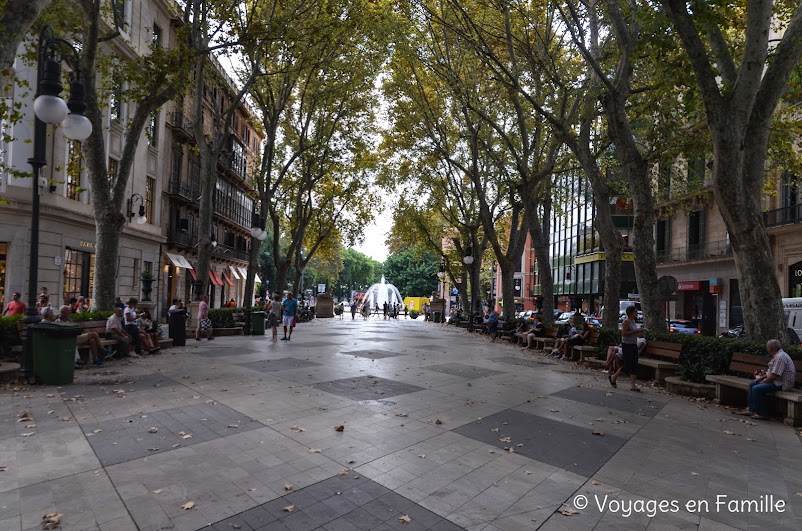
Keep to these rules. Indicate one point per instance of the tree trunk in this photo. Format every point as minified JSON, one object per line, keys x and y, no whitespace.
{"x":15,"y":21}
{"x":253,"y":265}
{"x":208,"y":162}
{"x":738,"y":198}
{"x":540,"y":242}
{"x":507,"y":268}
{"x":636,"y":171}
{"x":107,"y":253}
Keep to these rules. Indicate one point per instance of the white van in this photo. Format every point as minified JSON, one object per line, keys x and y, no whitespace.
{"x":793,"y":314}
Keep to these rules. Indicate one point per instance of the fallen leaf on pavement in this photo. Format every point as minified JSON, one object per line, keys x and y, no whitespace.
{"x":342,"y":472}
{"x":51,"y":521}
{"x":401,"y":415}
{"x":494,"y":429}
{"x":153,"y":449}
{"x":554,"y":410}
{"x":798,"y":494}
{"x":438,"y":422}
{"x":339,"y":427}
{"x":314,"y":450}
{"x":297,"y":429}
{"x":27,"y":434}
{"x":186,"y":436}
{"x":233,"y":425}
{"x":422,"y":456}
{"x":528,"y":472}
{"x":599,"y":433}
{"x":594,"y":482}
{"x":3,"y":468}
{"x":728,"y":432}
{"x":506,"y":439}
{"x":157,"y":491}
{"x":153,"y":430}
{"x":288,"y":487}
{"x":187,"y":506}
{"x":405,"y":519}
{"x":289,"y":508}
{"x":24,"y":417}
{"x":235,"y":526}
{"x":567,"y":511}
{"x":694,"y":473}
{"x":175,"y":446}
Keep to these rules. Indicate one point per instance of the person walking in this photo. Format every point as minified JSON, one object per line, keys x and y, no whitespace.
{"x":630,"y":332}
{"x":16,"y":306}
{"x":290,"y":306}
{"x":353,"y":310}
{"x":274,"y":315}
{"x":204,"y":323}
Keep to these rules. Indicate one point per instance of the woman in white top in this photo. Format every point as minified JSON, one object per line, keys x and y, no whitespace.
{"x":630,"y":332}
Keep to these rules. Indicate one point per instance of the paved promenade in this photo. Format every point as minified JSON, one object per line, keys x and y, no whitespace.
{"x":380,"y":425}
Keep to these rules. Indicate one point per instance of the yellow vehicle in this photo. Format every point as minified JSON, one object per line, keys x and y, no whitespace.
{"x":415,"y":303}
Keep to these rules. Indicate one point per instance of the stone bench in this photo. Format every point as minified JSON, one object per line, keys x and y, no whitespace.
{"x":733,"y":390}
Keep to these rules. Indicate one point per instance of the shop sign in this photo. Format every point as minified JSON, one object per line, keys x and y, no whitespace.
{"x":86,"y":245}
{"x":689,"y":286}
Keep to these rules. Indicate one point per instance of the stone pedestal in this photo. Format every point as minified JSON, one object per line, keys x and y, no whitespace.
{"x":192,"y":309}
{"x":150,"y":307}
{"x":324,"y":306}
{"x":438,"y":310}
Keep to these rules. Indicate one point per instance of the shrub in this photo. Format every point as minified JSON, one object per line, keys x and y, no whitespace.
{"x":413,"y":314}
{"x":223,"y":317}
{"x":9,"y":334}
{"x":92,"y":315}
{"x":703,"y":355}
{"x":338,"y":310}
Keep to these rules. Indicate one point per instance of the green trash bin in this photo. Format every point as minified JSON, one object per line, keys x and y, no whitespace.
{"x":258,"y":323}
{"x":54,"y":352}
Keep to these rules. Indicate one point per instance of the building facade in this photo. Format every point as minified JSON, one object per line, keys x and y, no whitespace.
{"x":157,"y":183}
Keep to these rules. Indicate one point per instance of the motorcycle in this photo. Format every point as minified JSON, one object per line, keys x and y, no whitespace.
{"x":736,"y":332}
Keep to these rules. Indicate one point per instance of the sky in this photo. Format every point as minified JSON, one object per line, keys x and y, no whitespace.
{"x":376,"y":234}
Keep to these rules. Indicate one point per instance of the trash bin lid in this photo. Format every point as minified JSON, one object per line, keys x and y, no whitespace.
{"x":64,"y":330}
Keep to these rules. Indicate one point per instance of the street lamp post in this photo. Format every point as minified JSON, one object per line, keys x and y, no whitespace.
{"x":49,"y":108}
{"x":468,"y":261}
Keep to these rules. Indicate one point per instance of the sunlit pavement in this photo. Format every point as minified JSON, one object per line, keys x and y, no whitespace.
{"x":378,"y":425}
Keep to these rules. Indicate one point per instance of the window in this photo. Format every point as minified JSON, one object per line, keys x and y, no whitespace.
{"x":157,"y":36}
{"x":152,"y":130}
{"x":73,"y":176}
{"x":112,"y":168}
{"x":696,"y":234}
{"x":135,"y":274}
{"x":116,"y":102}
{"x":150,"y":186}
{"x":79,"y":273}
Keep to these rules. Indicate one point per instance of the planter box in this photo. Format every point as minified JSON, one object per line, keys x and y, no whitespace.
{"x":677,"y":386}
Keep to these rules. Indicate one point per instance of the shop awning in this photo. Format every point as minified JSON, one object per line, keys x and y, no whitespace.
{"x":243,"y":273}
{"x":234,"y":272}
{"x":179,"y":261}
{"x":256,"y":278}
{"x":227,"y":279}
{"x":193,"y":273}
{"x":215,"y":278}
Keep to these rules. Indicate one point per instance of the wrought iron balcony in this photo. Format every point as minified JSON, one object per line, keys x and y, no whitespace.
{"x":783,"y":216}
{"x":693,"y":253}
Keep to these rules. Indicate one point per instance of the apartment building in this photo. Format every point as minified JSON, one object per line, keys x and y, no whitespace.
{"x":161,"y":183}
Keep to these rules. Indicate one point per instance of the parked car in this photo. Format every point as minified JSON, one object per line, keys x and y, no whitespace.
{"x":593,"y":322}
{"x":680,"y":326}
{"x":565,"y":318}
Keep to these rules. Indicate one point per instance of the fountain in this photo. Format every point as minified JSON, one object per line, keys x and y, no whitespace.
{"x":381,"y":293}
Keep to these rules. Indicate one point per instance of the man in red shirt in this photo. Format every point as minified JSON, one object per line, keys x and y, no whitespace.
{"x":15,"y":307}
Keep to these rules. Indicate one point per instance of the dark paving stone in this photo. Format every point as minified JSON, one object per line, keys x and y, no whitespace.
{"x":373,"y":354}
{"x":366,"y":388}
{"x":109,"y":387}
{"x":465,"y":371}
{"x":299,"y":341}
{"x":377,"y":339}
{"x":281,"y":364}
{"x":555,"y":443}
{"x":125,"y":439}
{"x":622,"y":400}
{"x":521,"y":362}
{"x":339,"y":503}
{"x":221,"y":352}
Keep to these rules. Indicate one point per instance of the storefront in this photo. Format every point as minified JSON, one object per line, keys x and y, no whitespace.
{"x":697,"y":301}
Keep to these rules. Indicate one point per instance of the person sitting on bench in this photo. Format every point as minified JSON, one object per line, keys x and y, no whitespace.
{"x":537,"y":330}
{"x":780,"y":375}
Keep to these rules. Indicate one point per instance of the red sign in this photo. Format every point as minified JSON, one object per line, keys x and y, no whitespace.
{"x":689,"y":286}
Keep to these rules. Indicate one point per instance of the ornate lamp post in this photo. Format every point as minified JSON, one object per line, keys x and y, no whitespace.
{"x":468,"y":261}
{"x":49,"y":108}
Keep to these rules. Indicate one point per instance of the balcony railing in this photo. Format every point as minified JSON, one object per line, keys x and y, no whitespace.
{"x":227,"y":251}
{"x":692,"y":253}
{"x":783,"y":216}
{"x":188,"y":190}
{"x":181,"y":237}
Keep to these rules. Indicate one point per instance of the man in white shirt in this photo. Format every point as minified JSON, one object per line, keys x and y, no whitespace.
{"x":114,"y":330}
{"x":130,"y":323}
